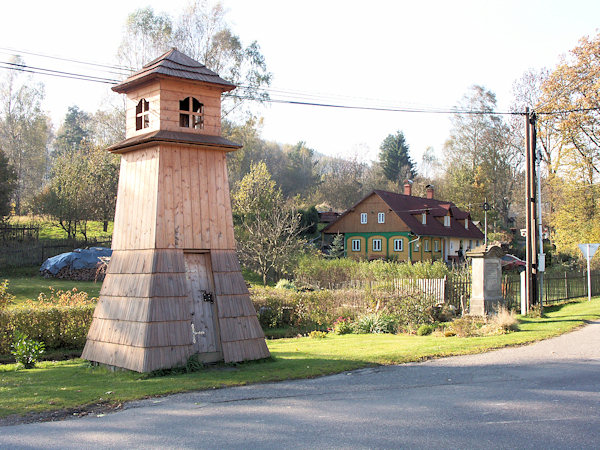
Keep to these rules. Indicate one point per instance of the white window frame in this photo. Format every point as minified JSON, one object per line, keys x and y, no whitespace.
{"x":424,"y":219}
{"x":356,"y":245}
{"x":380,"y":217}
{"x":451,"y":245}
{"x":363,"y":218}
{"x":436,"y":246}
{"x":446,"y":221}
{"x":466,"y":224}
{"x":416,"y":247}
{"x":398,"y":245}
{"x":376,"y":245}
{"x":426,"y":245}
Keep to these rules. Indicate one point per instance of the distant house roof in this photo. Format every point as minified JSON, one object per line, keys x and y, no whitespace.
{"x":177,"y":65}
{"x":328,"y":216}
{"x":409,"y":208}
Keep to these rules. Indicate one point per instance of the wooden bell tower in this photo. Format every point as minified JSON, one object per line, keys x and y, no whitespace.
{"x":174,"y":285}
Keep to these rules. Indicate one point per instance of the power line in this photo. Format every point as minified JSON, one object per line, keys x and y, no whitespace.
{"x":298,"y":97}
{"x":56,"y":73}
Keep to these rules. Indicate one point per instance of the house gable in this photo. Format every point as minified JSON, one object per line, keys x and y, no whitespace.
{"x":372,"y":206}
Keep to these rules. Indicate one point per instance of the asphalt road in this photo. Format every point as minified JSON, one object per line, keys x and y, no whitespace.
{"x":545,"y":395}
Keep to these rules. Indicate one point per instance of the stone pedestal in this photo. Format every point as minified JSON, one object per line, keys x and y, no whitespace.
{"x":486,"y":293}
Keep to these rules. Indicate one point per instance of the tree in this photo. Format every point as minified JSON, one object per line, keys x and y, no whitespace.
{"x":300,"y":175}
{"x":67,"y":198}
{"x":8,"y":179}
{"x":103,"y":179}
{"x":569,"y":107}
{"x":147,"y":35}
{"x":480,"y":160}
{"x":337,"y":246}
{"x":395,"y":159}
{"x":268,"y":232}
{"x":342,"y":182}
{"x":74,"y":131}
{"x":24,"y":134}
{"x":202,"y":33}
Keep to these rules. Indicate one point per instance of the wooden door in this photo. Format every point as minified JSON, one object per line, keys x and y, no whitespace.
{"x":204,"y":313}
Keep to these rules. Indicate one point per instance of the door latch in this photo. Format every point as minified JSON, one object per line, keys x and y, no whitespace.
{"x":196,"y":333}
{"x":208,"y":297}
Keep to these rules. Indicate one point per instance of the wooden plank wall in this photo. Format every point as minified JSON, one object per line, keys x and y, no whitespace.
{"x":242,"y":337}
{"x":135,"y":215}
{"x":143,"y":318}
{"x":172,"y":91}
{"x":150,"y":92}
{"x":194,"y":206}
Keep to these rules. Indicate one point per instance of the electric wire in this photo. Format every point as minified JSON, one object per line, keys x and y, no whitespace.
{"x":281,"y":96}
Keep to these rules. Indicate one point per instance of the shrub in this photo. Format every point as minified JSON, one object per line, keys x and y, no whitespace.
{"x":55,"y":326}
{"x":285,"y":284}
{"x":317,"y":334}
{"x":26,"y":351}
{"x":343,"y":325}
{"x":6,"y":298}
{"x":466,"y":326}
{"x":425,"y":329}
{"x":376,"y":323}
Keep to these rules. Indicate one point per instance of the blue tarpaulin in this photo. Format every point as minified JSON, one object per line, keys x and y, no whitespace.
{"x":80,"y":258}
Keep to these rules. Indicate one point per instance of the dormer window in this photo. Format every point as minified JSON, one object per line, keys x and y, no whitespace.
{"x":142,"y":114}
{"x":446,"y":221}
{"x":191,"y":113}
{"x":424,"y":219}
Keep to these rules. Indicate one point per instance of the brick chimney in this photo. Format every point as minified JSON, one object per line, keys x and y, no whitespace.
{"x":408,"y":187}
{"x":429,"y":190}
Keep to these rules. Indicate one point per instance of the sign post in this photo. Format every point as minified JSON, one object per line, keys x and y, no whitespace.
{"x":588,"y":251}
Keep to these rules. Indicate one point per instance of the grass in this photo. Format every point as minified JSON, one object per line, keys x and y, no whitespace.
{"x":52,"y":230}
{"x":26,"y":283}
{"x":74,"y":383}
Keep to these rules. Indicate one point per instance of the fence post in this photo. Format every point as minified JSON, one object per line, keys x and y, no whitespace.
{"x":566,"y":286}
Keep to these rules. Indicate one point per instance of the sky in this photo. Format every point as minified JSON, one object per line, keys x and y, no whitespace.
{"x":405,"y":54}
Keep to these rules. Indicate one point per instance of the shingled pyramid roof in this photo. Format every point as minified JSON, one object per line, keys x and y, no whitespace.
{"x":177,"y":65}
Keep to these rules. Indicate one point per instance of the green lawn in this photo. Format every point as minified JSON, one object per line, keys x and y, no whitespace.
{"x":26,"y":283}
{"x":52,"y":230}
{"x":68,"y":384}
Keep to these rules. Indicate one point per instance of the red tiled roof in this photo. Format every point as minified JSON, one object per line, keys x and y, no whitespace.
{"x":174,"y":64}
{"x":410,"y":209}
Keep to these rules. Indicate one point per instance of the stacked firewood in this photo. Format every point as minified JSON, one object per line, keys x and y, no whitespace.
{"x":67,"y":273}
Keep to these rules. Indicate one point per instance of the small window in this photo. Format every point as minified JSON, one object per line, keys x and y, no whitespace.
{"x":446,"y":221}
{"x":191,"y":113}
{"x":470,"y":243}
{"x":376,"y":245}
{"x":398,"y":245}
{"x":436,"y":246}
{"x":476,"y":243}
{"x":424,"y":219}
{"x":416,"y":246}
{"x":451,"y":245}
{"x":466,"y":224}
{"x":380,"y":217}
{"x":363,"y":218}
{"x":426,"y":245}
{"x":356,"y":245}
{"x":142,"y":114}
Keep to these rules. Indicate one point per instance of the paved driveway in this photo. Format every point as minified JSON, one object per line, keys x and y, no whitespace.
{"x":546,"y":395}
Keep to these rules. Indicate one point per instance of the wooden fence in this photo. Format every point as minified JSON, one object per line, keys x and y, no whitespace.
{"x":20,"y":254}
{"x":19,"y":233}
{"x":455,"y":289}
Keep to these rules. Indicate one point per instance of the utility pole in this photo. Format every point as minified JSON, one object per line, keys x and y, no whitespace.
{"x":531,"y":291}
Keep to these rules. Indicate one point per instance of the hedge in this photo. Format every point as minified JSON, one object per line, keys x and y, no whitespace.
{"x":56,"y":326}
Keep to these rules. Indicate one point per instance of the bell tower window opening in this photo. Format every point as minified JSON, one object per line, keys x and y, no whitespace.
{"x":142,"y":114}
{"x":191,"y":113}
